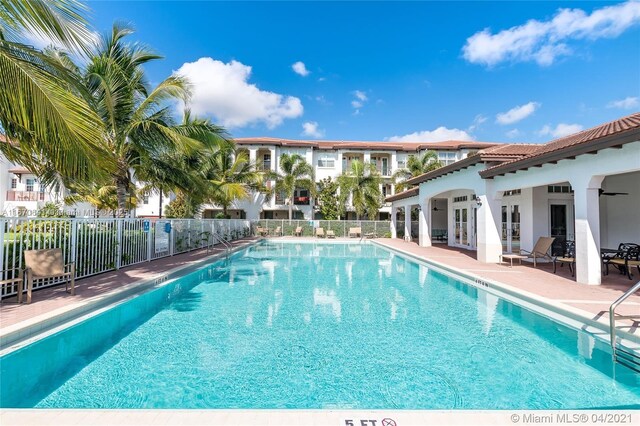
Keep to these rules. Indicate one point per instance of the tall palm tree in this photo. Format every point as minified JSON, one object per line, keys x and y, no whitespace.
{"x":43,"y":114}
{"x":137,"y":119}
{"x":102,"y":197}
{"x":231,"y":176}
{"x":361,"y":181}
{"x":294,"y":173}
{"x":416,"y":166}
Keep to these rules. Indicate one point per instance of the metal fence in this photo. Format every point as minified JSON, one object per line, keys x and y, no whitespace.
{"x":275,"y":227}
{"x":99,"y":245}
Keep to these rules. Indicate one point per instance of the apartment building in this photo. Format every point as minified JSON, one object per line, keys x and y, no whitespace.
{"x":330,"y":159}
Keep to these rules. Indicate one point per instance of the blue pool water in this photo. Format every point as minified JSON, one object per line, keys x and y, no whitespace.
{"x":317,"y":326}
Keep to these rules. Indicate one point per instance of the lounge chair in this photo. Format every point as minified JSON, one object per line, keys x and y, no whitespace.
{"x":48,"y":264}
{"x":355,"y":232}
{"x":261,"y":231}
{"x":277,"y":232}
{"x":629,"y":260}
{"x":540,"y":250}
{"x":331,"y":234}
{"x":298,"y":232}
{"x":569,"y":256}
{"x":15,"y":281}
{"x":320,"y":232}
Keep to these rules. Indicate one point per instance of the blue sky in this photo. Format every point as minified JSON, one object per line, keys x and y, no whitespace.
{"x":489,"y":71}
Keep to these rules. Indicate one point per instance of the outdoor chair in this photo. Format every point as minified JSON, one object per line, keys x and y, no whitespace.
{"x":607,"y":259}
{"x":355,"y":232}
{"x":331,"y":234}
{"x":540,"y":250}
{"x":11,"y":282}
{"x":629,"y":260}
{"x":298,"y":232}
{"x":320,"y":232}
{"x":569,"y":256}
{"x":48,"y":264}
{"x":277,"y":232}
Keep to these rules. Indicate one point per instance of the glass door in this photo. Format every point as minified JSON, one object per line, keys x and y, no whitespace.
{"x":560,"y":225}
{"x":460,"y":225}
{"x":511,"y":228}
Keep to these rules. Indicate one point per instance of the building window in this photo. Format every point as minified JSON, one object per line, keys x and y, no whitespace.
{"x":266,"y":162}
{"x":327,"y":162}
{"x":14,"y":183}
{"x":447,"y":158}
{"x":145,"y":199}
{"x":560,"y":189}
{"x":512,"y":192}
{"x":402,"y":164}
{"x":460,"y":199}
{"x":41,"y":192}
{"x":30,"y":183}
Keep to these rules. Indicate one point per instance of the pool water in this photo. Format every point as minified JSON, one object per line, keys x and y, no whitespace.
{"x":322,"y":326}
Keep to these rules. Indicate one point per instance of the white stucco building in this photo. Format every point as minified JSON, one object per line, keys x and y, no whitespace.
{"x":584,"y":188}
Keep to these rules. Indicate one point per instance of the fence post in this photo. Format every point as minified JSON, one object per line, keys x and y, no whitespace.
{"x":171,"y":234}
{"x":73,"y":246}
{"x":152,"y":229}
{"x":119,"y":242}
{"x":3,"y":223}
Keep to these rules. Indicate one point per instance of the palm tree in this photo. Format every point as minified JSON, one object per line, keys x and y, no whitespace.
{"x":416,"y":166}
{"x":138,"y":125}
{"x":231,"y":176}
{"x":362,"y":181}
{"x":42,"y":111}
{"x":294,"y":173}
{"x":102,"y":197}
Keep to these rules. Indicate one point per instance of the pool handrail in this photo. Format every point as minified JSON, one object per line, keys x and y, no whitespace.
{"x":612,"y":317}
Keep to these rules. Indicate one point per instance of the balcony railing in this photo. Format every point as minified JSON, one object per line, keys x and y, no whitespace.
{"x":26,"y":196}
{"x":384,"y":171}
{"x":301,"y":201}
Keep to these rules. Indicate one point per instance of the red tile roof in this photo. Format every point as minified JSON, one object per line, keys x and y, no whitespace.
{"x":361,"y":145}
{"x":608,"y":135}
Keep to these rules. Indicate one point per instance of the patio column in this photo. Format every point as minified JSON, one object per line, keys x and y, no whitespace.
{"x":424,"y":233}
{"x":587,"y":229}
{"x":489,"y":238}
{"x":407,"y":222}
{"x":394,"y":221}
{"x":252,"y":154}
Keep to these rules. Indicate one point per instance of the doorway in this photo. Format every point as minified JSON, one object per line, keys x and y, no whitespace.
{"x":460,"y":222}
{"x":511,"y":228}
{"x":561,"y":225}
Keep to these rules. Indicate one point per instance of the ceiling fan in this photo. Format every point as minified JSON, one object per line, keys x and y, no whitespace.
{"x":603,"y":192}
{"x":435,"y":206}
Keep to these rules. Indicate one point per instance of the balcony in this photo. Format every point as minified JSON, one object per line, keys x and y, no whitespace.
{"x":26,"y":196}
{"x":384,"y":171}
{"x":301,"y":201}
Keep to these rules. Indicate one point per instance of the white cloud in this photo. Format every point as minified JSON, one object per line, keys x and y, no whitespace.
{"x":222,"y":90}
{"x":513,"y":133}
{"x":440,"y":134}
{"x":518,"y":113}
{"x":360,"y":99}
{"x":562,"y":129}
{"x":310,"y":128}
{"x":356,"y":104}
{"x":545,"y":41}
{"x":477,"y":121}
{"x":626,"y":103}
{"x":300,"y":68}
{"x":360,"y":95}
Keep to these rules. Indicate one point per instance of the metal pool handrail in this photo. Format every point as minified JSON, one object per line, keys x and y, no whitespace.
{"x":227,"y":245}
{"x":612,"y":316}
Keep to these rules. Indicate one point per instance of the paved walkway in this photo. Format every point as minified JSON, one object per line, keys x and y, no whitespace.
{"x":541,"y":281}
{"x":52,"y":298}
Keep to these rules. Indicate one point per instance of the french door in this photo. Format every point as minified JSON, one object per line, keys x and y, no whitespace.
{"x":460,"y":225}
{"x":561,"y":224}
{"x":511,"y":228}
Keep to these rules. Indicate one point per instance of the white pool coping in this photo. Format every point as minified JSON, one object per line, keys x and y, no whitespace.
{"x":568,"y":315}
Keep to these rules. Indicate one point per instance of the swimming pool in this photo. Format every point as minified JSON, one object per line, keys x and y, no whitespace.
{"x":293,"y":325}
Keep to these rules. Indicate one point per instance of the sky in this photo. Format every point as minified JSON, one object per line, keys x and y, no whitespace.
{"x":413,"y":71}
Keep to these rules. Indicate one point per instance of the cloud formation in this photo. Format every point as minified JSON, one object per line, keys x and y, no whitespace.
{"x":561,"y":130}
{"x":300,"y":68}
{"x":440,"y":134}
{"x":517,"y":113}
{"x":310,"y":128}
{"x":545,"y":41}
{"x":359,"y":101}
{"x":222,"y":90}
{"x":626,"y":103}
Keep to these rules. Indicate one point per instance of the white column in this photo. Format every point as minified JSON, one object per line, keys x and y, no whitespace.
{"x":489,"y":223}
{"x":587,"y":229}
{"x":407,"y":222}
{"x":394,"y":221}
{"x":274,"y":159}
{"x":424,"y":233}
{"x":393,"y":163}
{"x":253,"y":154}
{"x":527,"y":212}
{"x":367,"y":156}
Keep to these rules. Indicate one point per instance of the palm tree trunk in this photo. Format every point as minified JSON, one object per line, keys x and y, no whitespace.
{"x":122,"y":185}
{"x":290,"y":209}
{"x":224,"y":210}
{"x":160,"y":207}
